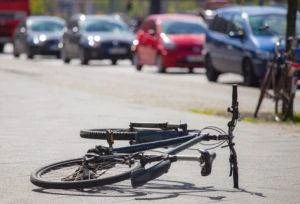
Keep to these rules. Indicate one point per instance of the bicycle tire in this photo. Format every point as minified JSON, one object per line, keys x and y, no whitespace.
{"x":39,"y":176}
{"x":118,"y":133}
{"x":264,"y":87}
{"x":283,"y":99}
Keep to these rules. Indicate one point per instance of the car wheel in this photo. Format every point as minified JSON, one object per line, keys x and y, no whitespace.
{"x":250,"y":79}
{"x":114,"y":61}
{"x":83,"y":57}
{"x":159,"y":64}
{"x":64,"y":56}
{"x":1,"y":48}
{"x":211,"y":73}
{"x":29,"y":54}
{"x":58,"y":56}
{"x":15,"y":52}
{"x":136,"y":62}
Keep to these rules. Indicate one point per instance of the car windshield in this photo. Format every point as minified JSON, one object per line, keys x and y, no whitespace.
{"x":103,"y":26}
{"x":270,"y":25}
{"x":46,"y":26}
{"x":177,"y":27}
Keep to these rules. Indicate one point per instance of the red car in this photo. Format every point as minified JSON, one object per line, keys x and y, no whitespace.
{"x":170,"y":40}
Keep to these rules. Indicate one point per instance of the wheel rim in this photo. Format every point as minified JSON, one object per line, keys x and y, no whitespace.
{"x":61,"y":174}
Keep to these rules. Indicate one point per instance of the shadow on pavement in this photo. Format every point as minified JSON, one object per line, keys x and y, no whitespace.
{"x":155,"y":190}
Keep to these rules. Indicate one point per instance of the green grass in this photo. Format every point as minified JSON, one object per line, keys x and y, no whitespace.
{"x":266,"y":117}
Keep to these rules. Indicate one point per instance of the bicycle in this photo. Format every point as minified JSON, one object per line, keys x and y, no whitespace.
{"x":281,"y":81}
{"x":107,"y":165}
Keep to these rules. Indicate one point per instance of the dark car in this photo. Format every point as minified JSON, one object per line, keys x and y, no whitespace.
{"x":241,"y":40}
{"x":97,"y":37}
{"x":39,"y":35}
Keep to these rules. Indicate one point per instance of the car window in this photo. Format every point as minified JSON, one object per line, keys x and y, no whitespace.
{"x":270,"y":25}
{"x":97,"y":25}
{"x":45,"y":26}
{"x":220,"y":23}
{"x":236,"y":24}
{"x":182,"y":27}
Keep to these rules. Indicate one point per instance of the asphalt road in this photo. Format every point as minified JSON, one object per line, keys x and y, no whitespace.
{"x":44,"y":104}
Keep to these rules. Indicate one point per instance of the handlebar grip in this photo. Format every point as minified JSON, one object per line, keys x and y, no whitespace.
{"x":141,"y":176}
{"x":235,"y":177}
{"x":234,"y":94}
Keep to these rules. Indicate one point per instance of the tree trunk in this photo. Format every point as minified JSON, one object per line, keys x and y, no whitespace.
{"x":291,"y":20}
{"x":155,"y":7}
{"x":290,"y":32}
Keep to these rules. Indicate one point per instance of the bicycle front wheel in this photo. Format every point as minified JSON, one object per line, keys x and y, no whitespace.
{"x":67,"y":175}
{"x":118,"y":134}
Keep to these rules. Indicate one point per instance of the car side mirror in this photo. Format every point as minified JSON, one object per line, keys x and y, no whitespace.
{"x":237,"y":34}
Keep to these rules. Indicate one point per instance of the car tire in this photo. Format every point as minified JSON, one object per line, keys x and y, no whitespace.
{"x":159,"y":64}
{"x":250,"y":79}
{"x":15,"y":52}
{"x":114,"y":62}
{"x":64,"y":56}
{"x":1,"y":48}
{"x":58,"y":55}
{"x":29,"y":54}
{"x":84,"y":60}
{"x":136,"y":62}
{"x":211,"y":73}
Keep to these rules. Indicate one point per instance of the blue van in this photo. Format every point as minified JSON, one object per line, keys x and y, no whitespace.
{"x":241,"y":40}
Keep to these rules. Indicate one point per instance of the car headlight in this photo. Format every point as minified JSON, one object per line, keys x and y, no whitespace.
{"x":93,"y":41}
{"x":37,"y":39}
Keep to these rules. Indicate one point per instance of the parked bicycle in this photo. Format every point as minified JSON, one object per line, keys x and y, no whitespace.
{"x":107,"y":165}
{"x":281,"y":80}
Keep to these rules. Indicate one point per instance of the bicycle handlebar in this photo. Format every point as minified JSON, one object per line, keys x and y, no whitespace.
{"x":141,"y":175}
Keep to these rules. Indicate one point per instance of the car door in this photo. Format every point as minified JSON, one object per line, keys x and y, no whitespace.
{"x":235,"y":45}
{"x":151,"y":42}
{"x":217,"y":42}
{"x":71,"y":38}
{"x":20,"y":37}
{"x":147,"y":38}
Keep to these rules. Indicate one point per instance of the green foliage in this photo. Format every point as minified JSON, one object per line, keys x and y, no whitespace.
{"x":247,"y":116}
{"x":37,"y":7}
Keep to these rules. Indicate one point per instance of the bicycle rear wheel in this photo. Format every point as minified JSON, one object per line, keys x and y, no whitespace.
{"x":283,"y":101}
{"x":117,"y":133}
{"x":264,"y":88}
{"x":66,"y":174}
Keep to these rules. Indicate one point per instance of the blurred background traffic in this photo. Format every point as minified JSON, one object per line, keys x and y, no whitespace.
{"x":221,"y":36}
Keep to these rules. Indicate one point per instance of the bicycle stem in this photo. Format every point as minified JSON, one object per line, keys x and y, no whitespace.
{"x":231,"y":126}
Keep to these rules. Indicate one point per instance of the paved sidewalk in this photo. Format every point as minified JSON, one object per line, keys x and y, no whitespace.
{"x":40,"y":123}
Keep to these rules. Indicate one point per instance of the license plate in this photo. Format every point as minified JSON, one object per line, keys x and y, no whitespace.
{"x":194,"y":58}
{"x":117,"y":51}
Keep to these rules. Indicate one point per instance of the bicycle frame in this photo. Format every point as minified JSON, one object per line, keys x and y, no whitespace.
{"x":188,"y":141}
{"x":283,"y":78}
{"x":105,"y":165}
